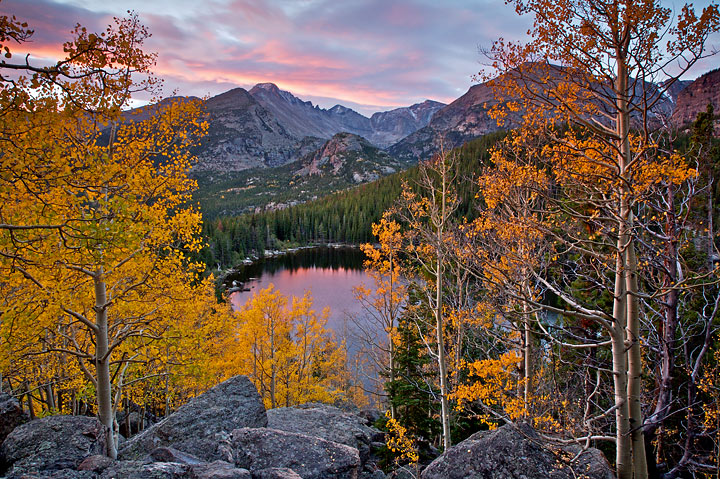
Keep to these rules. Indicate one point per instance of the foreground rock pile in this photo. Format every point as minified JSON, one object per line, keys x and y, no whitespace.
{"x":516,"y":452}
{"x":227,"y":434}
{"x":222,"y":434}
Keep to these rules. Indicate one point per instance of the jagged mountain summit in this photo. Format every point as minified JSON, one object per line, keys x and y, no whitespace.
{"x":242,"y":134}
{"x":268,"y":127}
{"x":301,"y":118}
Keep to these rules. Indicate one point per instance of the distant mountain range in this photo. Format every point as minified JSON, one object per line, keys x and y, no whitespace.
{"x":267,"y":128}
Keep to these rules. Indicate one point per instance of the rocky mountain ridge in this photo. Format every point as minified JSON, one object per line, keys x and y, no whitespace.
{"x":468,"y":116}
{"x":268,"y":127}
{"x":695,"y":97}
{"x":301,"y":118}
{"x":341,"y":162}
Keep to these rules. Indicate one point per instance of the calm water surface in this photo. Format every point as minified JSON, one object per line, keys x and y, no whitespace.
{"x":330,"y":274}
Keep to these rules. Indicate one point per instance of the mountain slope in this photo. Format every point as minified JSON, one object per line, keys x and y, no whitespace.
{"x":695,"y":98}
{"x":468,"y":116}
{"x":300,"y":118}
{"x":460,"y":121}
{"x":343,"y":161}
{"x":242,"y":134}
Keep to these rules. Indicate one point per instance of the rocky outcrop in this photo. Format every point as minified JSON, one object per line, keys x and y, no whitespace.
{"x":203,"y":426}
{"x":308,"y":456}
{"x":515,"y":452}
{"x":347,"y":157}
{"x":393,"y":125}
{"x":11,"y":415}
{"x":219,"y":470}
{"x":276,"y":473}
{"x":329,"y":423}
{"x":242,"y":134}
{"x":312,"y":441}
{"x":695,"y":98}
{"x":301,"y":118}
{"x":53,"y":443}
{"x":145,"y":470}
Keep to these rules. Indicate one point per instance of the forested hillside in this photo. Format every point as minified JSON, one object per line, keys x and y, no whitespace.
{"x":344,"y":217}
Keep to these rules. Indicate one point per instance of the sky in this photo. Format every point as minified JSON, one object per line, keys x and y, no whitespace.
{"x":370,"y":55}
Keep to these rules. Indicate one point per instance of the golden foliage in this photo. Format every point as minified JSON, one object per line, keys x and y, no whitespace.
{"x":286,"y":350}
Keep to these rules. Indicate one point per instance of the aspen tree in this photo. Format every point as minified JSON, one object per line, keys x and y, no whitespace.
{"x":593,"y":67}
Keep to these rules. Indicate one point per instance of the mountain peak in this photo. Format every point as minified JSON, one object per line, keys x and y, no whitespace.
{"x":339,"y":109}
{"x":265,"y":86}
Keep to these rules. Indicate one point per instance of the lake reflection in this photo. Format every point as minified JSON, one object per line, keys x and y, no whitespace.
{"x":330,"y":274}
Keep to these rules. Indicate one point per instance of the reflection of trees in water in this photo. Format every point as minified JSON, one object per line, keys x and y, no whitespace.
{"x":321,"y":257}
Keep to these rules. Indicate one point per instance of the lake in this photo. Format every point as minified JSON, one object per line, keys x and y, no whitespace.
{"x":329,"y":273}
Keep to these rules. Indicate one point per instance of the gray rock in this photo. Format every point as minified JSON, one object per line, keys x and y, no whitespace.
{"x":376,"y":474}
{"x":219,"y":470}
{"x":403,"y":473}
{"x":53,"y":443}
{"x":276,"y":473}
{"x":97,"y":463}
{"x":202,"y":426}
{"x":144,"y":470}
{"x":370,"y":415}
{"x":61,"y":474}
{"x":514,"y":452}
{"x":170,"y":454}
{"x":11,"y":415}
{"x":326,"y":422}
{"x":310,"y":457}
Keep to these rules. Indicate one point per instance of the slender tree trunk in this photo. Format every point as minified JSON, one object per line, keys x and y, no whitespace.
{"x":632,"y":447}
{"x":390,"y":340}
{"x":623,"y":448}
{"x":102,"y":362}
{"x":50,"y":395}
{"x":711,"y":233}
{"x":668,"y":331}
{"x":527,"y":348}
{"x":442,"y":364}
{"x":635,"y":367}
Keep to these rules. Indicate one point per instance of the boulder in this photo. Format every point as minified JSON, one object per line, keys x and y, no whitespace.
{"x":145,"y":470}
{"x":326,"y":422}
{"x":11,"y":415}
{"x":170,"y":454}
{"x":276,"y":473}
{"x":203,"y":426}
{"x":53,"y":443}
{"x":60,"y":474}
{"x":219,"y":470}
{"x":376,"y":474}
{"x":515,"y":452}
{"x":97,"y":463}
{"x":310,"y":457}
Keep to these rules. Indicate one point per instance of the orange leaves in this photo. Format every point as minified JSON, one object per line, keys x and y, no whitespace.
{"x":99,"y":203}
{"x":399,"y":442}
{"x":286,"y":350}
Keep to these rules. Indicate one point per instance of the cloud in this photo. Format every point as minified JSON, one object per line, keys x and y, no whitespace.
{"x":373,"y":54}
